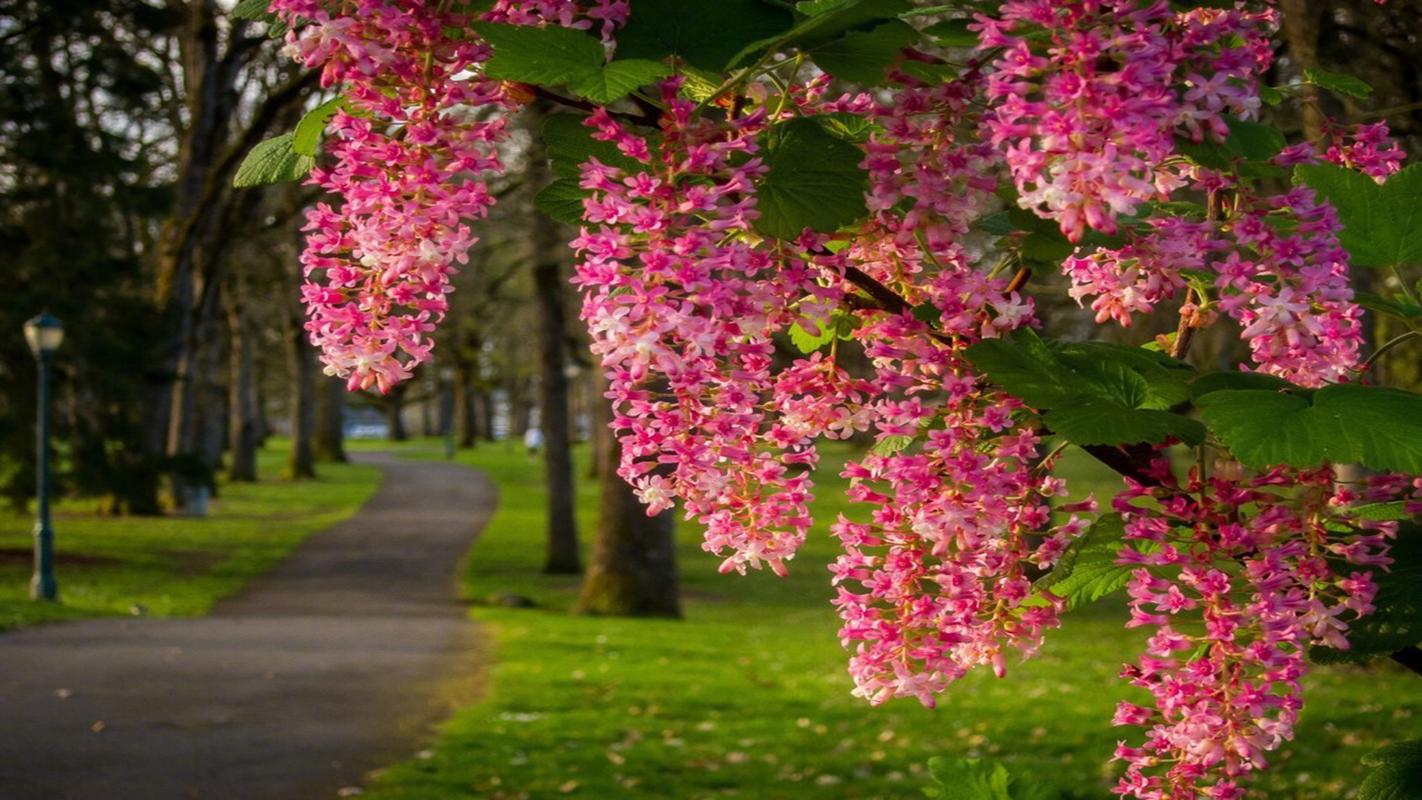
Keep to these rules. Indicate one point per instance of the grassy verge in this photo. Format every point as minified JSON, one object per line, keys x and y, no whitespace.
{"x":174,"y":566}
{"x":748,"y":697}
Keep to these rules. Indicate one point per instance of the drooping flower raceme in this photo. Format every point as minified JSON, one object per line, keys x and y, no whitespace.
{"x":417,"y":135}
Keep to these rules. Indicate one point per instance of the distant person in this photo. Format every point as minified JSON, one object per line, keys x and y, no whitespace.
{"x":533,"y":440}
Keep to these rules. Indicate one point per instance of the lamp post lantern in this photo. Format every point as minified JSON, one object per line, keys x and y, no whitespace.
{"x":44,"y":335}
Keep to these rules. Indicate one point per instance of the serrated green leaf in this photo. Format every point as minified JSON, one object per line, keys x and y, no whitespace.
{"x":1399,"y":307}
{"x":829,"y":23}
{"x":1087,"y":571}
{"x":1338,"y":83}
{"x":862,"y":56}
{"x":1221,"y":381}
{"x":972,"y":779}
{"x":1396,"y":621}
{"x":953,"y":33}
{"x":256,"y":10}
{"x":1398,"y":773}
{"x":570,"y":143}
{"x":1249,"y":142}
{"x":307,"y":136}
{"x":1092,"y":392}
{"x":849,"y":127}
{"x":889,"y":445}
{"x":1382,"y":224}
{"x":550,"y":56}
{"x":1098,"y":422}
{"x":562,"y":200}
{"x":813,"y":180}
{"x":272,"y":161}
{"x":704,"y":33}
{"x":1345,"y":424}
{"x":619,"y":79}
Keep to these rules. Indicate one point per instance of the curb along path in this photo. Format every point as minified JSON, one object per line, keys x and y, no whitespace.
{"x":336,"y":662}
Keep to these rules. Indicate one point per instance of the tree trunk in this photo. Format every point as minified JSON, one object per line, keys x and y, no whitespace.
{"x":462,"y":398}
{"x":430,"y":395}
{"x":548,"y":248}
{"x":395,"y":413}
{"x":632,"y":568}
{"x":329,"y":442}
{"x":302,"y":402}
{"x":241,"y":394}
{"x":487,"y":410}
{"x":1301,"y":27}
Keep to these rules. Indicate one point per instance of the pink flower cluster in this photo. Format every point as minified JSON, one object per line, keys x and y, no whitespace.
{"x":1369,"y":149}
{"x":681,"y":307}
{"x":1277,"y":267}
{"x":1087,"y":123}
{"x":409,"y":152}
{"x":1238,"y":576}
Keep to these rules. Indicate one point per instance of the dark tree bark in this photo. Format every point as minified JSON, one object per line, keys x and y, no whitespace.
{"x":301,"y":403}
{"x":465,"y":421}
{"x":632,"y":568}
{"x":395,"y":412}
{"x":241,"y":394}
{"x":329,"y":440}
{"x":549,"y":283}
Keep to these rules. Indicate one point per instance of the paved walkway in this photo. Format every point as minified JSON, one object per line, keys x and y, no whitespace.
{"x":335,"y":663}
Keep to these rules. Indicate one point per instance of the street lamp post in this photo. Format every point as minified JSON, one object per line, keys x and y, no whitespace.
{"x":44,"y":334}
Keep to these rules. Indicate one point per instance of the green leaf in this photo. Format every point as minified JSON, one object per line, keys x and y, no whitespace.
{"x":272,"y":161}
{"x":562,"y":200}
{"x":1338,"y":83}
{"x":1250,"y":142}
{"x":1396,"y":621}
{"x":829,"y":22}
{"x":704,"y":33}
{"x":1221,"y":381}
{"x":1093,"y":392}
{"x":307,"y":136}
{"x":550,"y":56}
{"x":971,"y":779}
{"x":1346,"y":424}
{"x":252,"y":9}
{"x":862,"y":56}
{"x":1399,"y":306}
{"x":1087,"y":571}
{"x":889,"y":445}
{"x":953,"y":33}
{"x":619,"y":79}
{"x":1382,"y":224}
{"x":1398,"y":773}
{"x":813,"y":181}
{"x":569,"y":143}
{"x":849,"y":127}
{"x":1093,"y":422}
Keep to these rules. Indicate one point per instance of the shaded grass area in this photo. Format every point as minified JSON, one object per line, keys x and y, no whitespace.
{"x":748,"y":696}
{"x":175,"y":566}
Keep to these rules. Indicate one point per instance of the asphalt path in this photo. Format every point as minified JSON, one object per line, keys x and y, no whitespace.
{"x":337,"y":662}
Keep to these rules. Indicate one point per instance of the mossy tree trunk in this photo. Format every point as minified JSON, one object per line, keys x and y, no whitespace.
{"x":549,"y":286}
{"x":632,"y":568}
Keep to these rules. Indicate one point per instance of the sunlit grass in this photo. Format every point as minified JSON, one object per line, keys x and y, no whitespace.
{"x":175,"y":566}
{"x":748,"y":696}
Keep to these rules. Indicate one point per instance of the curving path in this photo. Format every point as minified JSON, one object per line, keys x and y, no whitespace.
{"x":336,"y":662}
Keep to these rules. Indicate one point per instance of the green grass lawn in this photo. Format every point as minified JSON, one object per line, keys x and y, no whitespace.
{"x":748,"y":696}
{"x":175,"y":566}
